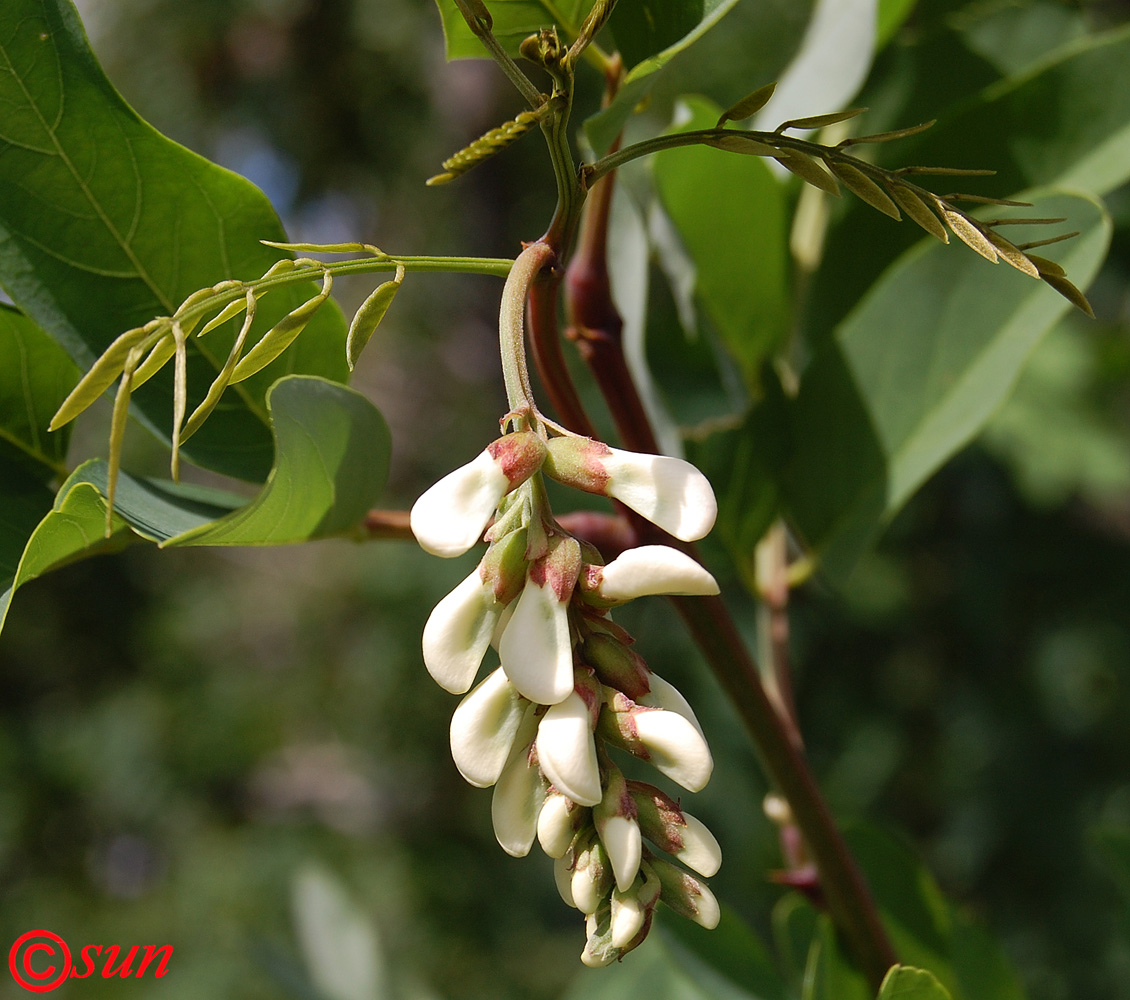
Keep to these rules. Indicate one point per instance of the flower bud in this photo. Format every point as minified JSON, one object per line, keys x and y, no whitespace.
{"x":664,"y":823}
{"x":450,"y":516}
{"x":504,"y":566}
{"x":483,"y":728}
{"x":563,"y":878}
{"x":648,"y":569}
{"x":519,"y":793}
{"x":616,"y":665}
{"x":615,"y":819}
{"x":536,"y":648}
{"x":567,"y":751}
{"x":558,"y":822}
{"x":667,"y":740}
{"x":458,"y":632}
{"x":686,"y":895}
{"x":669,"y":492}
{"x":599,"y":950}
{"x":592,"y":877}
{"x":627,"y":917}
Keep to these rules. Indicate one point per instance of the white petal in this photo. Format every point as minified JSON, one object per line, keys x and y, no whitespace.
{"x":555,"y":826}
{"x":563,"y":877}
{"x":700,"y":850}
{"x":451,"y":516}
{"x":624,"y":845}
{"x":518,"y":797}
{"x":458,"y":632}
{"x":627,"y":918}
{"x":676,"y":748}
{"x":483,"y":728}
{"x":567,"y":751}
{"x":708,"y":911}
{"x":664,"y":694}
{"x":654,"y":569}
{"x":536,"y":649}
{"x":588,"y":889}
{"x":667,"y":491}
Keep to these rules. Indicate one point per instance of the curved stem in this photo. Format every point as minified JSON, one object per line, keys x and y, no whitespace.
{"x":511,"y":325}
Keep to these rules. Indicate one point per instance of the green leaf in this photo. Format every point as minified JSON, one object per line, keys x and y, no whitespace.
{"x":645,"y":28}
{"x":603,"y":128}
{"x":105,"y":223}
{"x":912,"y":375}
{"x":330,"y":466}
{"x":514,"y":21}
{"x":891,"y":15}
{"x":1065,"y":123}
{"x":35,"y":377}
{"x":1114,"y":841}
{"x":906,"y":983}
{"x":730,"y":213}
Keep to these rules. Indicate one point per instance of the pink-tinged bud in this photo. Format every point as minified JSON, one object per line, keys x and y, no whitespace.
{"x":664,"y":823}
{"x":648,"y":569}
{"x":536,"y":648}
{"x":615,"y":820}
{"x":518,"y":794}
{"x":450,"y":516}
{"x":667,"y":491}
{"x":458,"y":632}
{"x":686,"y":895}
{"x":616,"y":665}
{"x":504,"y":566}
{"x":483,"y":729}
{"x":567,"y":750}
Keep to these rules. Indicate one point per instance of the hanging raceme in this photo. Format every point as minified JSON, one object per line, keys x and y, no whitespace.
{"x":570,"y":687}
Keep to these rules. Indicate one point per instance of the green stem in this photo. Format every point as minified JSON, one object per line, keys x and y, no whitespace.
{"x":480,"y":24}
{"x":511,"y":324}
{"x":498,"y":267}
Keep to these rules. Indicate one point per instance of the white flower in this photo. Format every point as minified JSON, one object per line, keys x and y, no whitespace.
{"x":669,"y":492}
{"x":628,"y":915}
{"x":648,"y":569}
{"x":700,"y":849}
{"x":483,"y":729}
{"x":518,"y":794}
{"x":451,"y":516}
{"x":458,"y":632}
{"x":665,"y":695}
{"x":555,"y":825}
{"x":674,"y":746}
{"x":536,"y":649}
{"x":621,"y":838}
{"x":685,"y":894}
{"x":563,"y":879}
{"x":567,"y":751}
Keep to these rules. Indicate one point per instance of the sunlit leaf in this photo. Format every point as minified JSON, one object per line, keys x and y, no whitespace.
{"x":912,"y":375}
{"x":730,"y":214}
{"x":95,"y":212}
{"x":603,"y":128}
{"x":514,"y":20}
{"x":906,"y":983}
{"x":748,"y":105}
{"x":330,"y":466}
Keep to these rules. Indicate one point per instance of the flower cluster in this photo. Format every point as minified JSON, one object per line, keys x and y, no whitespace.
{"x":570,"y":686}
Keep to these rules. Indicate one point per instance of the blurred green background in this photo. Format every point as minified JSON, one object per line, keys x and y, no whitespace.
{"x":197,"y":745}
